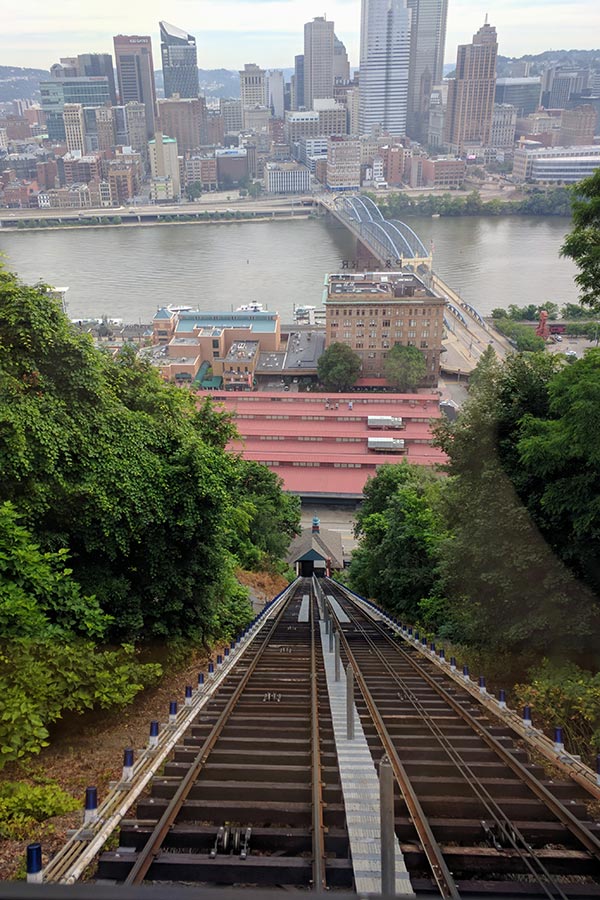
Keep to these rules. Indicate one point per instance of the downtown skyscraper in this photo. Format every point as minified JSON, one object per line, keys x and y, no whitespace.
{"x":471,"y":92}
{"x":384,"y":65}
{"x":135,"y":73}
{"x":179,"y":61}
{"x":318,"y":61}
{"x":426,"y":66}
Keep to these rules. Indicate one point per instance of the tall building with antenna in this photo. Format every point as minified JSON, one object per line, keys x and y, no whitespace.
{"x":470,"y":108}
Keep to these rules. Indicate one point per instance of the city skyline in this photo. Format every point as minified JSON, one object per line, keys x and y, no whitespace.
{"x":271,"y":31}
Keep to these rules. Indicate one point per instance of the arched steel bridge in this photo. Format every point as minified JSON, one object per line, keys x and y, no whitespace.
{"x":388,"y":240}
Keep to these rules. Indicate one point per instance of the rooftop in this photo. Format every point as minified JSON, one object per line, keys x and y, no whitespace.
{"x":385,"y":284}
{"x":242,"y":350}
{"x":259,"y":322}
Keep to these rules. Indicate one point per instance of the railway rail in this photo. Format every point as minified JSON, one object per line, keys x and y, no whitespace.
{"x":268,"y":779}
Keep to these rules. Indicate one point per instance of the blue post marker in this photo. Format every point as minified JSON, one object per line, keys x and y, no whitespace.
{"x":226,"y":651}
{"x":482,"y":687}
{"x":502,"y":698}
{"x":219,"y":659}
{"x":153,"y":740}
{"x":211,"y":669}
{"x":417,"y":636}
{"x":410,"y":631}
{"x":424,"y":643}
{"x":527,"y":716}
{"x":90,"y":811}
{"x":127,"y":764}
{"x":466,"y":673}
{"x":34,"y":864}
{"x":432,"y":648}
{"x":200,"y":680}
{"x":172,"y":711}
{"x":442,"y":655}
{"x":453,"y":664}
{"x":188,"y":694}
{"x":559,"y":744}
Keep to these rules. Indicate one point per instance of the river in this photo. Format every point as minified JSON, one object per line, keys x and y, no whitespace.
{"x":128,"y":272}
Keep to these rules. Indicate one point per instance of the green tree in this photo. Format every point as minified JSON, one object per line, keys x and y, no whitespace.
{"x":338,"y":367}
{"x":194,"y":190}
{"x":255,"y":189}
{"x":582,"y":244}
{"x":574,"y":311}
{"x":405,"y":367}
{"x":400,"y":530}
{"x":104,"y":458}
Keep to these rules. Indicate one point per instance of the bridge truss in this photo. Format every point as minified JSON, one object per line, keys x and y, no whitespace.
{"x":391,"y":241}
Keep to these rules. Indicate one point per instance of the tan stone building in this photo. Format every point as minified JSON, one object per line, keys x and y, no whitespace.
{"x":184,"y":120}
{"x":373,"y":311}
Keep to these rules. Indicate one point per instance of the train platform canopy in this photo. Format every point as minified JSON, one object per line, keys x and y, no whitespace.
{"x":316,"y":551}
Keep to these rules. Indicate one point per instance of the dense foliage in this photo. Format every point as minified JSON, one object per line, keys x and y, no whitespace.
{"x":405,"y":367}
{"x":537,"y":202}
{"x":503,"y":553}
{"x":338,"y":367}
{"x":583,"y":243}
{"x":126,"y":479}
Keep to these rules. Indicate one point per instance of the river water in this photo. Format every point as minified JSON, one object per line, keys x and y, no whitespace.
{"x":128,"y":272}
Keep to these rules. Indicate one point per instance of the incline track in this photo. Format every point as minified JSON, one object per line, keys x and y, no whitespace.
{"x":242,"y":800}
{"x":469,"y":796}
{"x":253,"y":796}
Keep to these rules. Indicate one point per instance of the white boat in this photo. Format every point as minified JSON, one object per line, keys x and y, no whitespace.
{"x":251,"y":307}
{"x":178,"y":309}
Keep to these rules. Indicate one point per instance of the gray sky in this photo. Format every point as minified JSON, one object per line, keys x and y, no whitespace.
{"x":269,"y":32}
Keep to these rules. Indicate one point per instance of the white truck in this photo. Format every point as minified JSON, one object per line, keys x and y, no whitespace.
{"x":386,"y":444}
{"x":384,"y":422}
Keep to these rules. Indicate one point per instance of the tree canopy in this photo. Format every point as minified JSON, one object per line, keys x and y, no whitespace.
{"x":338,"y":367}
{"x":582,"y":245}
{"x":405,"y":367}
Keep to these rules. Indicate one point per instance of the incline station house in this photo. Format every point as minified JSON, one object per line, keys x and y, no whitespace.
{"x":316,"y":552}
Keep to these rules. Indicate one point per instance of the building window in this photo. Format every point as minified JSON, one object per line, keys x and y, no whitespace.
{"x":215,"y":345}
{"x":386,"y":323}
{"x":412,"y":334}
{"x":412,"y":323}
{"x":398,"y":333}
{"x":424,"y":345}
{"x":347,"y":334}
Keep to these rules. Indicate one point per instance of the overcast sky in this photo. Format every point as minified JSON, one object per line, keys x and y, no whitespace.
{"x":230,"y":33}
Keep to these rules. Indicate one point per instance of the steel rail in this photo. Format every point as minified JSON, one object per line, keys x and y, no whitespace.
{"x":577,"y":828}
{"x":150,"y":851}
{"x":495,"y":811}
{"x":441,"y":873}
{"x":318,"y":827}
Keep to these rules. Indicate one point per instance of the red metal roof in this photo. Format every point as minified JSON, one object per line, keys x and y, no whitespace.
{"x":272,"y":424}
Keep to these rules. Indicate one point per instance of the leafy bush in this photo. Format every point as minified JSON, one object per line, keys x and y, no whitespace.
{"x":565,"y":695}
{"x":39,"y":680}
{"x":23,"y":806}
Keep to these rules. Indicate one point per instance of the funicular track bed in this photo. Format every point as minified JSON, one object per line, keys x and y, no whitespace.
{"x":494,"y":831}
{"x":253,"y":813}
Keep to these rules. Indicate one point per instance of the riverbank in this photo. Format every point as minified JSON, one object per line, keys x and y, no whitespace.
{"x":554,"y":202}
{"x":171,"y":219}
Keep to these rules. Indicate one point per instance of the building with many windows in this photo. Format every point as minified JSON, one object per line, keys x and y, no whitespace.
{"x":179,"y":61}
{"x":343,"y":164}
{"x":319,"y":48}
{"x":522,"y":93}
{"x":185,"y":120}
{"x":253,"y":86}
{"x":74,"y":127}
{"x":384,"y":65}
{"x":164,"y":166}
{"x":426,"y":67}
{"x":135,"y":74}
{"x":286,"y":178}
{"x":504,"y":123}
{"x":554,"y":165}
{"x":470,"y":106}
{"x":88,"y":91}
{"x":373,"y":311}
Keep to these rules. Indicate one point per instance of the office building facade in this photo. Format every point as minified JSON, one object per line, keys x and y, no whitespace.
{"x":318,"y":60}
{"x":426,"y":66}
{"x":184,"y":120}
{"x":135,"y":74}
{"x":471,"y":93}
{"x":522,"y":93}
{"x":56,"y":92}
{"x":552,"y":165}
{"x":384,"y":65}
{"x":179,"y":61}
{"x":298,"y":94}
